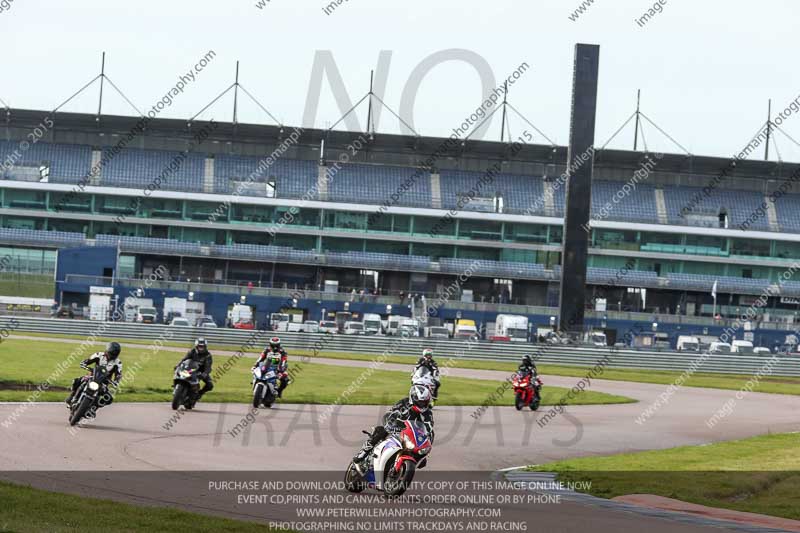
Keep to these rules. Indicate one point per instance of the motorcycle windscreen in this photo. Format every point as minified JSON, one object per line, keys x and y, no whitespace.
{"x":420,"y":431}
{"x":422,"y":373}
{"x":190,"y":364}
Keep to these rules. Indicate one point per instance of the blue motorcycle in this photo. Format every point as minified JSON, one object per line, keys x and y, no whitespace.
{"x":265,"y":385}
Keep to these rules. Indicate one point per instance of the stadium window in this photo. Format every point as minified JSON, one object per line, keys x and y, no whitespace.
{"x":505,"y":288}
{"x":271,"y":187}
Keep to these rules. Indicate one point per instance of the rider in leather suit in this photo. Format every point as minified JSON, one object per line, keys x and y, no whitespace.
{"x":110,"y":360}
{"x":202,"y":356}
{"x":275,"y":350}
{"x":417,"y":406}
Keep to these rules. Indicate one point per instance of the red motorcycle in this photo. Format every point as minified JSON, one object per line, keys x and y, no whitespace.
{"x":527,"y":391}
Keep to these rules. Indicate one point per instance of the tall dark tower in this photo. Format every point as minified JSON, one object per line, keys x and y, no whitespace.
{"x":580,"y":164}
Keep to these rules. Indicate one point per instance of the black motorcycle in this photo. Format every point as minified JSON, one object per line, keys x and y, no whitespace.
{"x":92,"y":394}
{"x":187,"y":385}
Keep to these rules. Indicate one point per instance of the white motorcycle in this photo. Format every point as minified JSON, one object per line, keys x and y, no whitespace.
{"x":265,"y":389}
{"x":423,"y":376}
{"x":392,"y":463}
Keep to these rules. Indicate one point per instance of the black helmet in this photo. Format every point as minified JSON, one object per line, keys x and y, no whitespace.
{"x":527,"y":361}
{"x":113,"y":350}
{"x":201,"y":345}
{"x":275,"y":343}
{"x":420,"y":397}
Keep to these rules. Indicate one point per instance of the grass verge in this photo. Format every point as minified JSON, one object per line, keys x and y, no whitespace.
{"x":767,"y":384}
{"x":756,"y":475}
{"x":38,"y":511}
{"x":28,"y":363}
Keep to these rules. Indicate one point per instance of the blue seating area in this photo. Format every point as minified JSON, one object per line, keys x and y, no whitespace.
{"x":638,"y":204}
{"x":379,"y":261}
{"x":134,"y":168}
{"x":520,"y":193}
{"x":262,"y":253}
{"x":560,"y":199}
{"x":703,"y":282}
{"x":68,"y":162}
{"x":737,"y":204}
{"x":621,"y":278}
{"x":374,"y":184}
{"x":61,"y":239}
{"x":788,"y":210}
{"x":294,"y":178}
{"x":384,"y":261}
{"x":149,"y":245}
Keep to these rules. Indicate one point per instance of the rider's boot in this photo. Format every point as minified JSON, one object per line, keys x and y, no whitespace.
{"x":360,"y":458}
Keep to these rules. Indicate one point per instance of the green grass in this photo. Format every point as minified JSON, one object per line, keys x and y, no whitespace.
{"x":757,"y":475}
{"x":767,"y":384}
{"x":34,"y":511}
{"x":26,"y":285}
{"x":31,"y":362}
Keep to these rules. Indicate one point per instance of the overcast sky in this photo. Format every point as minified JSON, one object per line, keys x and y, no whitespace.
{"x":706,"y":68}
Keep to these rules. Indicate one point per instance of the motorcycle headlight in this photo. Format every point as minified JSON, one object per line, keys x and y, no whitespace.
{"x":93,"y":386}
{"x":423,"y":451}
{"x":408,"y":443}
{"x":185,"y":374}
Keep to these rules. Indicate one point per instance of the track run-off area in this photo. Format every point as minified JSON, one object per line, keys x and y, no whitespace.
{"x":231,"y":437}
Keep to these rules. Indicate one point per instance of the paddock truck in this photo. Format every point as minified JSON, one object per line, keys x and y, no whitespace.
{"x":527,"y":391}
{"x":264,"y":385}
{"x":186,"y":383}
{"x":393,"y":462}
{"x":90,"y":395}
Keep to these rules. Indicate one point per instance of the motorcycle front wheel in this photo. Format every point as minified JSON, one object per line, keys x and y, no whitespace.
{"x":258,"y":395}
{"x":178,"y":396}
{"x":537,"y":399}
{"x":519,"y":401}
{"x":81,"y":410}
{"x":353,"y":481}
{"x":396,"y":483}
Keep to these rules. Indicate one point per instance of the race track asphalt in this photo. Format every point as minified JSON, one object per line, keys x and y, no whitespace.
{"x":137,"y":437}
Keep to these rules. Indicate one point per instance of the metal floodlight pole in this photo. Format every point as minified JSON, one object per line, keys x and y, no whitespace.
{"x":236,"y":94}
{"x":505,"y":102}
{"x":636,"y":129}
{"x":102,"y":78}
{"x":370,"y":129}
{"x":769,"y":129}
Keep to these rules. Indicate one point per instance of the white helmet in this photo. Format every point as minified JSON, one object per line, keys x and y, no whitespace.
{"x":420,"y":397}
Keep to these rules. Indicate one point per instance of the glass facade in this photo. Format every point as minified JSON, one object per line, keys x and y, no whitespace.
{"x":431,"y":236}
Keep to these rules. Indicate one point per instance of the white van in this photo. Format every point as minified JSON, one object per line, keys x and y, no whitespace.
{"x":437,"y":332}
{"x":372,"y":324}
{"x":741,"y":346}
{"x":279,"y":321}
{"x":353,"y":328}
{"x":511,"y":327}
{"x":328,"y":326}
{"x":688,"y":343}
{"x":719,"y":347}
{"x":393,"y":324}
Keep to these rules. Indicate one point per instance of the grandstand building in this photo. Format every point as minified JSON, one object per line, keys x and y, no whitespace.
{"x":286,"y":216}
